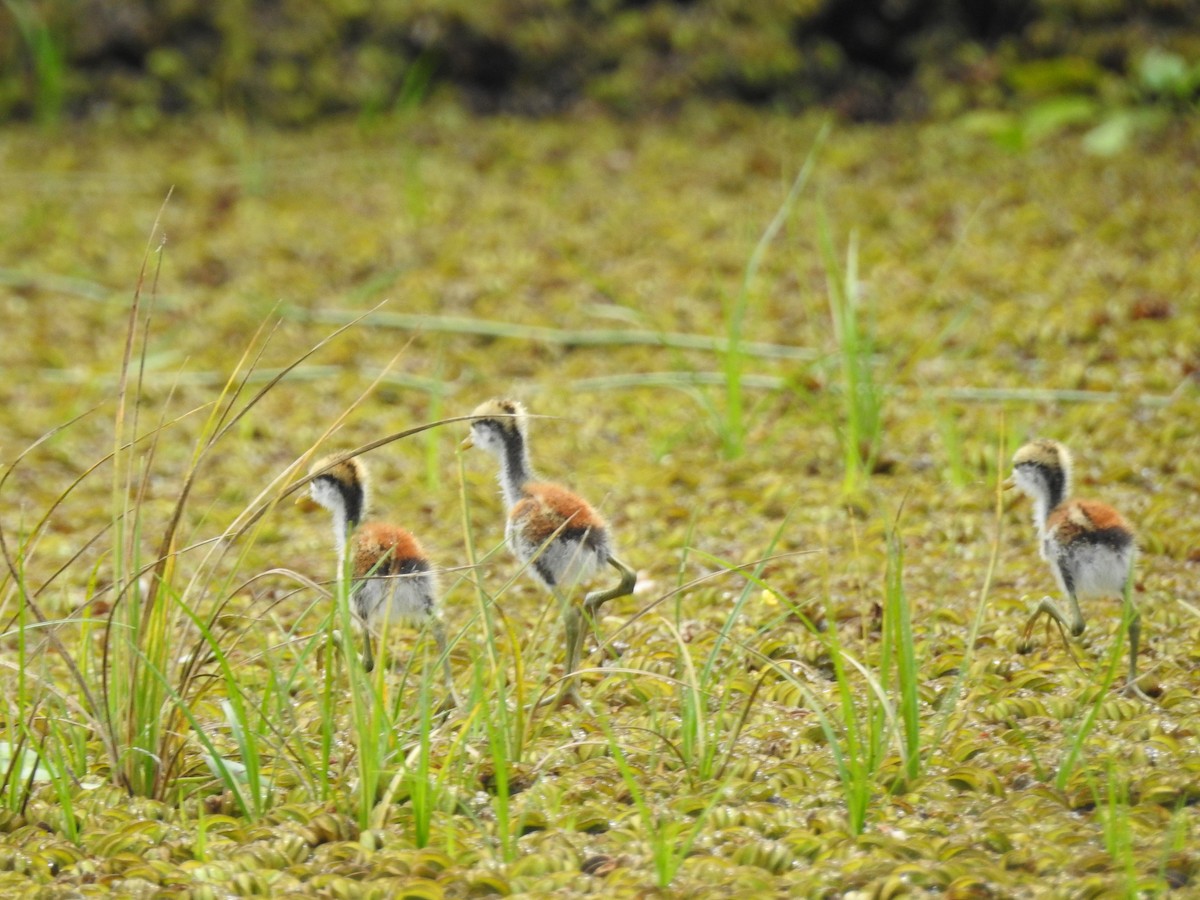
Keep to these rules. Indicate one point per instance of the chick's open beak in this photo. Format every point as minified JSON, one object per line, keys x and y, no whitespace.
{"x":306,"y":503}
{"x":467,"y":443}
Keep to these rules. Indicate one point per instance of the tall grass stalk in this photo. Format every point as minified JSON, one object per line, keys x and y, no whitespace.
{"x":670,"y":839}
{"x":732,"y":424}
{"x":500,"y":749}
{"x":752,"y":579}
{"x":1118,"y":832}
{"x":500,"y":699}
{"x":949,"y":704}
{"x":16,"y":730}
{"x":137,"y":643}
{"x":422,"y":793}
{"x":695,"y":745}
{"x":369,"y":723}
{"x":956,"y":467}
{"x":62,"y":760}
{"x":860,"y":423}
{"x":874,"y":710}
{"x":680,"y":571}
{"x":858,"y":740}
{"x":898,"y":644}
{"x":705,"y":743}
{"x":494,"y":675}
{"x":1115,"y":656}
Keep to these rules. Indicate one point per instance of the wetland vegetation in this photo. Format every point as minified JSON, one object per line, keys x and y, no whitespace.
{"x":788,"y":362}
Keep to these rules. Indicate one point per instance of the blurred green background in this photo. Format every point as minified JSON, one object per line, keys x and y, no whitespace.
{"x":292,"y":61}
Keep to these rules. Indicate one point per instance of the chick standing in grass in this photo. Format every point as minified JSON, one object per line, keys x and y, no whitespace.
{"x":553,"y":531}
{"x":1089,"y":546}
{"x":392,"y":578}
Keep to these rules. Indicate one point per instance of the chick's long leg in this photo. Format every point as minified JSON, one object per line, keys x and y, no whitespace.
{"x":573,"y":630}
{"x":1061,"y":562}
{"x":1130,"y":611}
{"x":573,"y":627}
{"x":439,"y":635}
{"x":593,"y":601}
{"x":1075,"y":626}
{"x":574,"y":616}
{"x":368,"y":657}
{"x":360,"y":604}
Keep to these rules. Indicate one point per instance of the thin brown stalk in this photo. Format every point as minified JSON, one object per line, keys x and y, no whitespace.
{"x":700,"y":579}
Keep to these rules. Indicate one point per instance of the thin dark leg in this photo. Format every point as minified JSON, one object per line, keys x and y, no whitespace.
{"x":1135,"y":638}
{"x":573,"y":626}
{"x":439,"y":635}
{"x":573,"y":630}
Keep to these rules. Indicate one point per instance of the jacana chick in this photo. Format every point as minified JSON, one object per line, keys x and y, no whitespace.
{"x":554,"y":532}
{"x":1089,"y":546}
{"x":391,"y":576}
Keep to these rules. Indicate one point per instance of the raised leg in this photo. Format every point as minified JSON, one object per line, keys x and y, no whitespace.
{"x":1047,"y":607}
{"x":573,"y":626}
{"x":593,"y":601}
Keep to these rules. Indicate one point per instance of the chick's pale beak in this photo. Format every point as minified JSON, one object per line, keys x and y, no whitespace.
{"x":306,"y":503}
{"x":467,"y":443}
{"x":1009,"y":483}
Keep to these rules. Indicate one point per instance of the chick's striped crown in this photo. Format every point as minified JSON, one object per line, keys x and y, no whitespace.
{"x":347,"y":473}
{"x":1042,"y":469}
{"x":508,"y":416}
{"x":348,"y":478}
{"x":1044,"y":453}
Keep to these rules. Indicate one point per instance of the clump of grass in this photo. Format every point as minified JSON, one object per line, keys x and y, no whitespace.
{"x":898,"y":646}
{"x":859,"y":424}
{"x":1118,"y":833}
{"x":144,"y":685}
{"x":876,"y":709}
{"x":671,"y":840}
{"x":706,"y":744}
